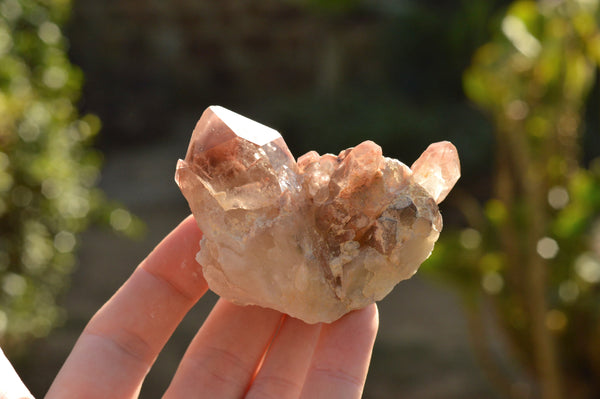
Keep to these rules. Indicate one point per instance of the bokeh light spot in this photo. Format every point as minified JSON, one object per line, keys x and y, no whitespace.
{"x":558,"y":197}
{"x":568,"y":291}
{"x":517,"y":110}
{"x":38,"y":114}
{"x":587,"y":268}
{"x":74,"y":204}
{"x":29,"y":131}
{"x":55,"y":77}
{"x":11,"y":9}
{"x":49,"y":32}
{"x":492,"y":282}
{"x":556,"y":320}
{"x":120,"y":219}
{"x":547,"y":248}
{"x":470,"y":238}
{"x":64,"y":242}
{"x":516,"y":31}
{"x":13,"y":284}
{"x":50,"y":188}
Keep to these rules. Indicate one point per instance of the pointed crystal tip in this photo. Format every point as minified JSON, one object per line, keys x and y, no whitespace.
{"x":246,"y":128}
{"x":438,"y":169}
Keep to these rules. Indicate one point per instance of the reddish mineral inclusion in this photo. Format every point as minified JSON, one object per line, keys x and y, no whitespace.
{"x":314,"y":239}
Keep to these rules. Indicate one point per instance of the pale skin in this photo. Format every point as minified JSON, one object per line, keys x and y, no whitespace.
{"x":239,"y":352}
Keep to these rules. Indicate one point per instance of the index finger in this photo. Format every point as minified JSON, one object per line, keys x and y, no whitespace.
{"x":121,"y":342}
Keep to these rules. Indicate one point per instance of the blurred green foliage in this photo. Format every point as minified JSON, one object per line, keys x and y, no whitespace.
{"x":408,"y":93}
{"x":532,"y":251}
{"x":48,"y":170}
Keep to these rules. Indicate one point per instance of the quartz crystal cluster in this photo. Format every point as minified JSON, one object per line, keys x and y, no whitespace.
{"x":315,"y":238}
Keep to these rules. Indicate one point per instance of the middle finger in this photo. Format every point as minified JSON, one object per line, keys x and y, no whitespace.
{"x":223,"y":356}
{"x":287,"y":361}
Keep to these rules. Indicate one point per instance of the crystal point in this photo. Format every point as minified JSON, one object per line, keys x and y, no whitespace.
{"x":437,"y":169}
{"x":314,"y":239}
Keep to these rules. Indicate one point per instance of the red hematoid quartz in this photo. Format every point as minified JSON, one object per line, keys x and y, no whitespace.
{"x":315,"y":238}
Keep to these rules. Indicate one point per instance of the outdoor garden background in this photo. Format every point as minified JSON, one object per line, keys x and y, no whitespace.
{"x":98,"y":100}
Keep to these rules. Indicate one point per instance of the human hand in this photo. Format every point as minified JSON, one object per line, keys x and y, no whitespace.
{"x":248,"y":352}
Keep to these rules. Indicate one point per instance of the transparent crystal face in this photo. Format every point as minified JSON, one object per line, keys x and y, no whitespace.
{"x":437,"y":169}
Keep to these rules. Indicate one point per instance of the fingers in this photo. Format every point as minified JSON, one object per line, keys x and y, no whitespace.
{"x":123,"y":339}
{"x":222,"y":358}
{"x":120,"y":343}
{"x":341,"y":360}
{"x":326,"y":361}
{"x":11,"y":386}
{"x":286,"y":364}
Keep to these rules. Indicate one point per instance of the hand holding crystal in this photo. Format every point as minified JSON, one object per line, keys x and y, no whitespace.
{"x":248,"y":352}
{"x":314,"y":239}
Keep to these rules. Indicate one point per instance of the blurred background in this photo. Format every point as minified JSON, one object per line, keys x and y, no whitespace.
{"x":98,"y":101}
